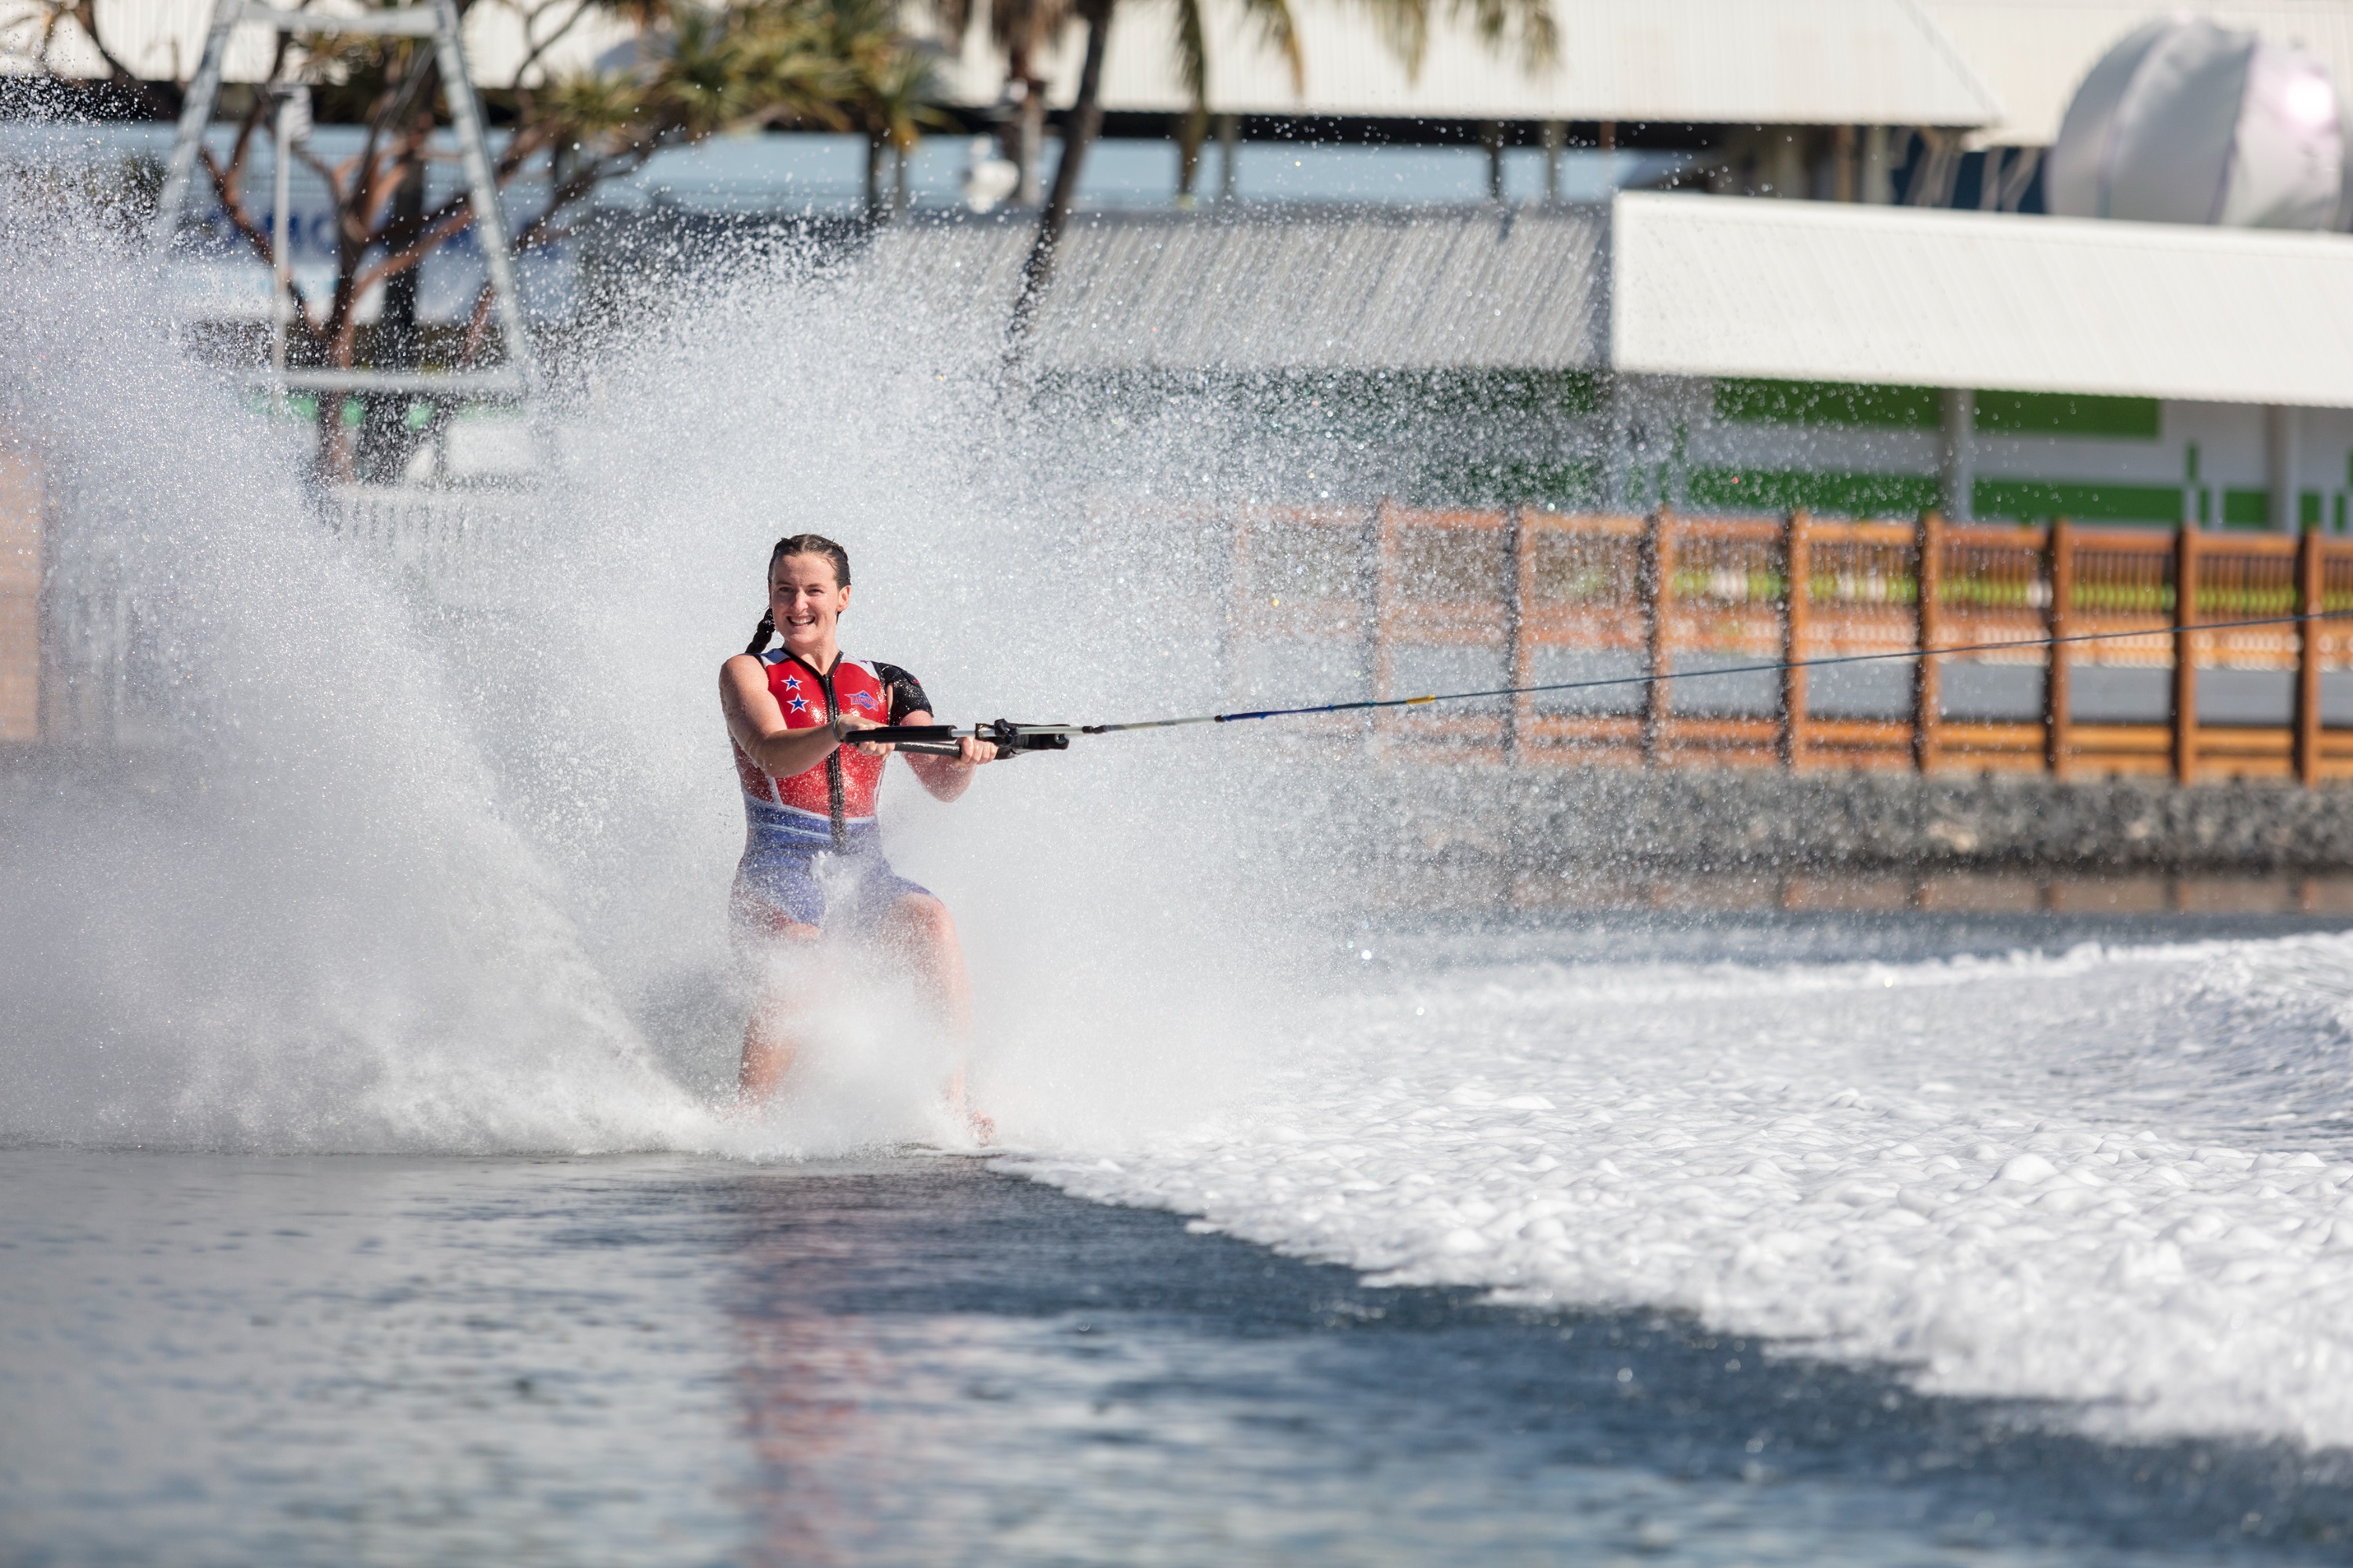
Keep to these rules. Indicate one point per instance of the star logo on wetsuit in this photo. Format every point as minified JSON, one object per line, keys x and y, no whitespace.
{"x":798,"y":705}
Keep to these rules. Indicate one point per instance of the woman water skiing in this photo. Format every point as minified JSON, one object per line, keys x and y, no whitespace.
{"x":813,"y":861}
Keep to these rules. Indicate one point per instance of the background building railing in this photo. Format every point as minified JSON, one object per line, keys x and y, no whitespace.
{"x":1395,"y":602}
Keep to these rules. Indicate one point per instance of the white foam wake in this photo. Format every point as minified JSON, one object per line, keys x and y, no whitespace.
{"x":2078,"y":1177}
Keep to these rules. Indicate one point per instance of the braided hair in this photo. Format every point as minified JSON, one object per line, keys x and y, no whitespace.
{"x":798,"y":545}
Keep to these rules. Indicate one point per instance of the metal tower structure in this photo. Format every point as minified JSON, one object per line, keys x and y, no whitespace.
{"x":435,"y":19}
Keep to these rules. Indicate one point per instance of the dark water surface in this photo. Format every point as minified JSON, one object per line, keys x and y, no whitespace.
{"x":242,"y":1359}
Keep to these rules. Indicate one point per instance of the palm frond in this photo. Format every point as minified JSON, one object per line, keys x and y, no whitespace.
{"x":1278,"y":32}
{"x":1023,"y":29}
{"x":1193,"y":54}
{"x":1404,"y":25}
{"x":596,"y":108}
{"x":953,"y":19}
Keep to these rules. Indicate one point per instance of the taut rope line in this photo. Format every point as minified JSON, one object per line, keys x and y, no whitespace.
{"x":1056,"y":736}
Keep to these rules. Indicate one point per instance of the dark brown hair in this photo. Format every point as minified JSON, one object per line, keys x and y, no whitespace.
{"x":798,"y":545}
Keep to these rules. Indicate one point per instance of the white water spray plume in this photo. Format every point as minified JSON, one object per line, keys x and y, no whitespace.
{"x":386,"y":862}
{"x":391,"y":865}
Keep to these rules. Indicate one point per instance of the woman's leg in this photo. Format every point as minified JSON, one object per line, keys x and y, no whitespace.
{"x":924,"y":934}
{"x":769,"y":1044}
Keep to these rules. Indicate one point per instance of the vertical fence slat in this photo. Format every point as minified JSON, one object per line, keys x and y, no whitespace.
{"x":2058,"y":698}
{"x":1373,"y":594}
{"x":1657,"y":590}
{"x":1238,"y":602}
{"x":2309,"y":568}
{"x":1797,"y":555}
{"x":1514,"y":543}
{"x":1927,"y":689}
{"x":2185,"y":654}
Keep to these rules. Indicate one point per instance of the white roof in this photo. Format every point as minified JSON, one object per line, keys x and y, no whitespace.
{"x":2032,"y":53}
{"x":162,"y":39}
{"x":1666,"y":61}
{"x":1818,"y":291}
{"x":1670,"y":62}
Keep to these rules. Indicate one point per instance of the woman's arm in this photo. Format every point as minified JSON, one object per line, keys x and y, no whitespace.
{"x":947,"y":777}
{"x":758,"y":724}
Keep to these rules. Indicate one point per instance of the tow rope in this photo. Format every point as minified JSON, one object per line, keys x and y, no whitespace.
{"x":1011,"y":738}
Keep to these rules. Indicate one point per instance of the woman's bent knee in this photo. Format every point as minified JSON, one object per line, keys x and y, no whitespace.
{"x":923,"y":913}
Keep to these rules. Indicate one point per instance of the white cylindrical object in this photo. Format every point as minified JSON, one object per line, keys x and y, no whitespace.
{"x":2281,"y":429}
{"x":2185,"y":122}
{"x":1878,"y":168}
{"x":1957,"y":454}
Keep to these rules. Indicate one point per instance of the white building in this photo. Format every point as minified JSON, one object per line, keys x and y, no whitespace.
{"x":1762,"y":353}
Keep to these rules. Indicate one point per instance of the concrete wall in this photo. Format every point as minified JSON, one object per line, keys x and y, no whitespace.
{"x":1714,"y":820}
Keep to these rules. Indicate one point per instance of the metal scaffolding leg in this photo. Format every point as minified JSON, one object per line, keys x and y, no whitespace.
{"x":435,"y":19}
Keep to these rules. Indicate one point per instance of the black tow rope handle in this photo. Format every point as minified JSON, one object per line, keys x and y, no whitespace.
{"x":940,"y":740}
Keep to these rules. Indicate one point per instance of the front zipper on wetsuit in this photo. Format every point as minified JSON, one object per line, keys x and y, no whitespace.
{"x":834,"y":789}
{"x":833,"y":784}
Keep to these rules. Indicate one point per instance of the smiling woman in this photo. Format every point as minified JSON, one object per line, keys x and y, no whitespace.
{"x":813,"y":863}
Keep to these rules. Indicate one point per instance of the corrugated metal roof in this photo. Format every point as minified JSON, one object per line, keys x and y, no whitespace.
{"x":1867,"y":62}
{"x":1817,"y":290}
{"x":1468,"y":288}
{"x":2033,"y":54}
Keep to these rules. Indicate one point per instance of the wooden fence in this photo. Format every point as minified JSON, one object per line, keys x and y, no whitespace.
{"x":1395,"y":601}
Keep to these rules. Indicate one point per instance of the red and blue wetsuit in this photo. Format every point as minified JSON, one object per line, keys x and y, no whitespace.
{"x":828,"y":809}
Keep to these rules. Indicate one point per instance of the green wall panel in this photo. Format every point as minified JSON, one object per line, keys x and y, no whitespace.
{"x":1777,"y":490}
{"x":1575,"y":484}
{"x":2066,"y":414}
{"x":2246,"y":508}
{"x":1828,"y":403}
{"x":2091,"y":502}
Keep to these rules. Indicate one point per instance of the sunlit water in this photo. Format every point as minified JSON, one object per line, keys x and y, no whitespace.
{"x":1767,"y":1240}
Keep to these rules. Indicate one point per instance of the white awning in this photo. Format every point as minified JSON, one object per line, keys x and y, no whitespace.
{"x":1820,"y":291}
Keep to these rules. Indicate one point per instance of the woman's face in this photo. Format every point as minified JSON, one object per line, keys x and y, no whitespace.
{"x":805,"y":601}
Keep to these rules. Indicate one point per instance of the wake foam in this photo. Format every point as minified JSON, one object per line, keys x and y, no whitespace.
{"x":2032,"y":1177}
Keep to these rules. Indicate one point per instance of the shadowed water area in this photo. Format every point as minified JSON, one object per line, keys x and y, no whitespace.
{"x":915,"y":1359}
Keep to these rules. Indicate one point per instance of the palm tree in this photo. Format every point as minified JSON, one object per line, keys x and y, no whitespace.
{"x":1025,"y":32}
{"x":1403,"y":23}
{"x":897,"y":95}
{"x":891,"y":88}
{"x":1276,"y":32}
